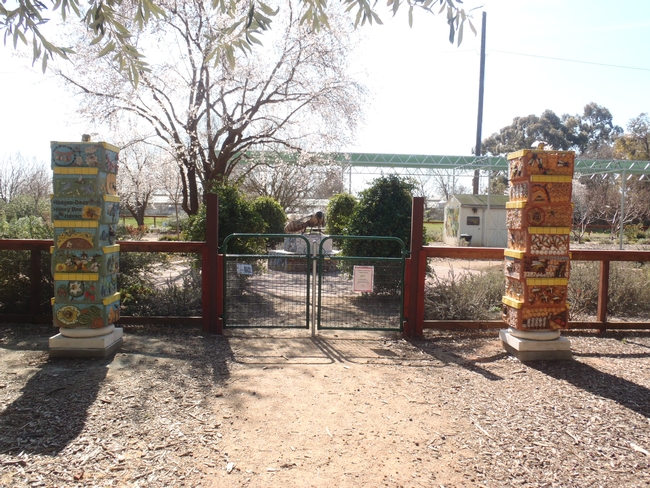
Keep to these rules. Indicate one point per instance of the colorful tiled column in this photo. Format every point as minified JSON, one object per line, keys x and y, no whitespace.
{"x":537,"y":260}
{"x":85,"y":258}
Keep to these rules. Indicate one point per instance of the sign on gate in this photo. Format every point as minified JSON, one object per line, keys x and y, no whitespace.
{"x":364,"y":279}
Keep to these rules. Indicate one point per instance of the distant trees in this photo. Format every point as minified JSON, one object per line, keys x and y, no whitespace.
{"x":591,"y":135}
{"x":635,"y":144}
{"x":25,"y":186}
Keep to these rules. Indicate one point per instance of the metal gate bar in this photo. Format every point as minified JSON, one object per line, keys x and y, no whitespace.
{"x":266,"y":290}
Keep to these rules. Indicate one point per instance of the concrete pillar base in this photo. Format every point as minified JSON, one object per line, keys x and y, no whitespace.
{"x":85,"y":347}
{"x":536,"y":350}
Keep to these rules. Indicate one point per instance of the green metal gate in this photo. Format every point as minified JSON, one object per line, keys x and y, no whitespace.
{"x":265,"y":290}
{"x":362,"y":292}
{"x":272,"y":290}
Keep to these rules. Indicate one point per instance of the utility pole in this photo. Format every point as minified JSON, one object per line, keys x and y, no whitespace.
{"x":479,"y":124}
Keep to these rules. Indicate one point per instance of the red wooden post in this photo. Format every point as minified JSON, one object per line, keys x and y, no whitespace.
{"x":422,"y":275}
{"x":603,"y":294}
{"x":212,"y":241}
{"x":412,"y":328}
{"x":407,"y":295}
{"x":205,"y":289}
{"x":220,"y":294}
{"x":35,"y":277}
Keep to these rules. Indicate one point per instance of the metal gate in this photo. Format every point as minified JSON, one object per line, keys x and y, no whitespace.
{"x":362,"y":292}
{"x":265,"y":289}
{"x":272,"y":289}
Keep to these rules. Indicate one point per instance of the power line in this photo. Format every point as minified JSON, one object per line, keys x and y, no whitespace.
{"x":570,"y":60}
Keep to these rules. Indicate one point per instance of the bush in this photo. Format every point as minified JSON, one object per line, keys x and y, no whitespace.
{"x":15,"y":282}
{"x":183,"y":223}
{"x":273,"y":216}
{"x":236,"y":214}
{"x":339,"y":210}
{"x":472,"y":296}
{"x":134,"y":278}
{"x":170,"y":300}
{"x":634,"y":232}
{"x":25,"y":206}
{"x":629,"y":294}
{"x":384,"y":209}
{"x":26,"y":228}
{"x":434,"y":235}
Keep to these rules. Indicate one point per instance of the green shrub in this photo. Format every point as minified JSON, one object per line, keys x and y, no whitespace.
{"x":273,"y":216}
{"x":634,"y":232}
{"x":170,"y":300}
{"x":236,"y":214}
{"x":384,"y":209}
{"x":26,"y":228}
{"x":339,"y":210}
{"x":15,"y":267}
{"x":25,"y":206}
{"x":134,"y":280}
{"x":470,"y":296}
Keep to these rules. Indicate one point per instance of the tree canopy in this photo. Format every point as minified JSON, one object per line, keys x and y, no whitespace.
{"x":295,"y":94}
{"x":591,"y":134}
{"x":115,"y":32}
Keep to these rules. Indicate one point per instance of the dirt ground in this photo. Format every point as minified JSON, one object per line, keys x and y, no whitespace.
{"x":283,"y":409}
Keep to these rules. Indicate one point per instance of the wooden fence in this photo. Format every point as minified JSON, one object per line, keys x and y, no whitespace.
{"x":415,"y":323}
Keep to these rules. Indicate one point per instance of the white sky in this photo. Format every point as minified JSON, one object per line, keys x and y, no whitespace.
{"x":424,"y":92}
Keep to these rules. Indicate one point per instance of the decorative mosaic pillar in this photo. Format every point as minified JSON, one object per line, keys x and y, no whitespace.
{"x":85,"y":258}
{"x":537,"y":260}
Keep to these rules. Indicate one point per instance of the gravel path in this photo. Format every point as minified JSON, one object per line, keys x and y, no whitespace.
{"x":173,"y":408}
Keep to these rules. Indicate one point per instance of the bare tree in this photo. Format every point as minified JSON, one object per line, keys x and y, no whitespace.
{"x":172,"y":185}
{"x":294,"y":95}
{"x":139,"y":178}
{"x":290,"y":182}
{"x":28,"y":180}
{"x":439,"y":183}
{"x":605,"y":190}
{"x":586,"y":209}
{"x":12,"y":176}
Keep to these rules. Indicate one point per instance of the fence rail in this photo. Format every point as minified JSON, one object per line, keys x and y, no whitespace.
{"x":605,"y":257}
{"x":37,"y":246}
{"x":212,"y":278}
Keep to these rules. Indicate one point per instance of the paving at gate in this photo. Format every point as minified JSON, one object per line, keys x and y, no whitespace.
{"x":280,"y":408}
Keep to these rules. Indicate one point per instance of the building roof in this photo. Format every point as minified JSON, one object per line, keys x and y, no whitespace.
{"x":482,"y":200}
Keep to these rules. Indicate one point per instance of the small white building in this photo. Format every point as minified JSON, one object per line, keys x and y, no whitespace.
{"x":476,"y":220}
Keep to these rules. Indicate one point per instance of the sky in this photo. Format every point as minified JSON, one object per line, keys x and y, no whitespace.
{"x":541,"y":54}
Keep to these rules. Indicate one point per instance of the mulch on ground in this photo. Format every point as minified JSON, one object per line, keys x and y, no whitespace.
{"x":175,"y":408}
